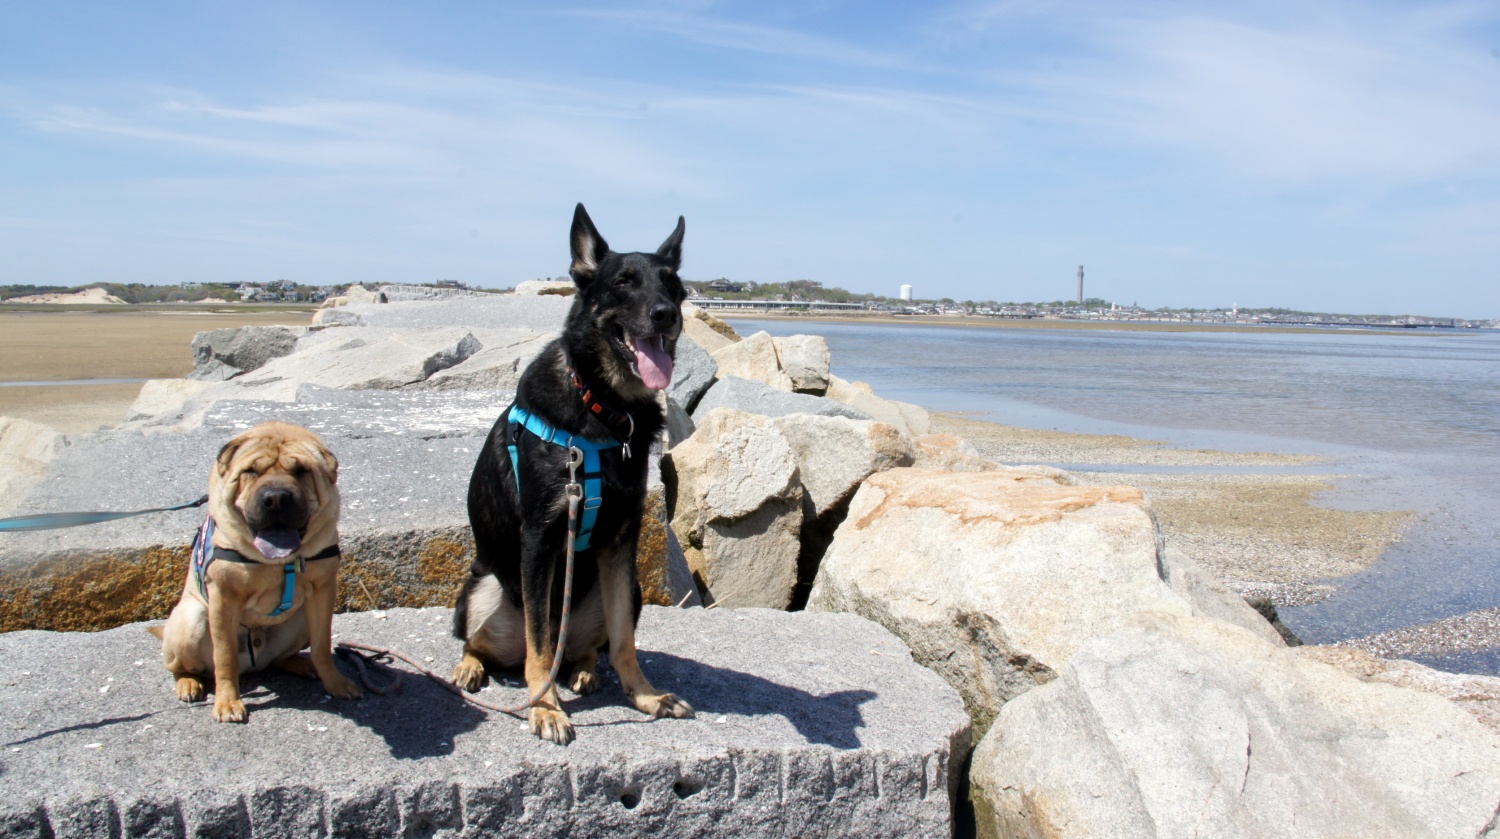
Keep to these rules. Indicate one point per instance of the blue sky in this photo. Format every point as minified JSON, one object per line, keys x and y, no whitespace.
{"x":1329,"y":156}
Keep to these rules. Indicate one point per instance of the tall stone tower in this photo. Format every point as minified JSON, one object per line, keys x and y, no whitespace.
{"x":1080,"y":285}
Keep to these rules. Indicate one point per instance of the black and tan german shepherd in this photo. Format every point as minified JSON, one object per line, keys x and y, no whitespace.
{"x":597,"y":381}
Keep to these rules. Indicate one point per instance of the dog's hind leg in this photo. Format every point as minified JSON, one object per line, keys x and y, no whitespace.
{"x":585,"y":636}
{"x":622,"y":598}
{"x":187,"y":650}
{"x":491,"y":631}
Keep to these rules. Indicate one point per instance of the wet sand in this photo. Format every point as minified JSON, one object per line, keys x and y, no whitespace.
{"x":124,"y":343}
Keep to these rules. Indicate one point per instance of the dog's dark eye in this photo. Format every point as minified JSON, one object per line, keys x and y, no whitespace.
{"x":298,"y":471}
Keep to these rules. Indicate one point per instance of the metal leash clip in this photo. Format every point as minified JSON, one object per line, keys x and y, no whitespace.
{"x":629,"y":437}
{"x":574,"y":489}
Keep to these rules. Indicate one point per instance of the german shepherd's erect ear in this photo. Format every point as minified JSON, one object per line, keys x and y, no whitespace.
{"x":588,"y":247}
{"x":671,"y":250}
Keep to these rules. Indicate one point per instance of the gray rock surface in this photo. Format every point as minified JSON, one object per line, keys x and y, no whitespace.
{"x":754,"y":358}
{"x":499,"y":311}
{"x":842,"y":737}
{"x":737,"y":504}
{"x":220,"y":354}
{"x":805,"y":360}
{"x":404,"y":462}
{"x":834,"y":454}
{"x":693,"y":372}
{"x":758,"y":398}
{"x":1187,"y":726}
{"x":26,"y":450}
{"x":997,"y":579}
{"x":911,"y":419}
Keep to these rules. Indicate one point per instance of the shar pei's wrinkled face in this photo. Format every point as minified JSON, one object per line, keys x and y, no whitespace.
{"x":275,"y":488}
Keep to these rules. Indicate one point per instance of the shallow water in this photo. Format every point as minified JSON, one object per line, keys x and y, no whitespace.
{"x":1413,"y":417}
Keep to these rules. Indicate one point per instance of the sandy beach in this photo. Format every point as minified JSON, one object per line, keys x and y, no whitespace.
{"x":84,"y":346}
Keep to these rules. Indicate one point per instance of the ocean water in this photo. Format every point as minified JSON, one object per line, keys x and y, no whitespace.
{"x":1412,"y":417}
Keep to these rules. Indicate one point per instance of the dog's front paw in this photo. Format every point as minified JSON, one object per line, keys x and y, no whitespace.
{"x":664,"y":705}
{"x":189,"y":689}
{"x":342,"y":687}
{"x":552,"y":725}
{"x":584,"y":682}
{"x":469,"y":674}
{"x":229,"y":710}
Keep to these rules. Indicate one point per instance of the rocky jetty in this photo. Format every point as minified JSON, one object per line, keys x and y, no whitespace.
{"x":1108,"y":685}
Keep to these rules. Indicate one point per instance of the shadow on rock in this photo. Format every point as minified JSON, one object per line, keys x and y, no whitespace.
{"x":824,"y":719}
{"x":416,"y":717}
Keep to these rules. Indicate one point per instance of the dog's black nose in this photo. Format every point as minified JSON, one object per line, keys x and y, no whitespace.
{"x":663,"y":313}
{"x":277,"y":498}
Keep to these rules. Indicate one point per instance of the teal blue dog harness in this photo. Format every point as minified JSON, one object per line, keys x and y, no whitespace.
{"x":205,"y":552}
{"x":593,"y":476}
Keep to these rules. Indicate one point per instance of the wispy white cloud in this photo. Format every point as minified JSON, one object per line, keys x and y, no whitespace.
{"x":700,"y":26}
{"x":1394,"y":94}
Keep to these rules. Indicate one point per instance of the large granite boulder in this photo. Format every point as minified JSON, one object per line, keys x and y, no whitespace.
{"x":758,"y":398}
{"x":26,"y":448}
{"x":795,"y":364}
{"x":842,"y":737}
{"x":1479,"y":695}
{"x":835,"y":454}
{"x":359,"y":294}
{"x":1182,"y":726}
{"x":911,"y":419}
{"x":736,"y":502}
{"x":344,"y":359}
{"x":753,"y":358}
{"x":498,"y":366}
{"x":950,"y":453}
{"x":710,"y":332}
{"x":693,"y":372}
{"x":220,"y":354}
{"x":995,"y":579}
{"x":805,"y":361}
{"x":562,"y":287}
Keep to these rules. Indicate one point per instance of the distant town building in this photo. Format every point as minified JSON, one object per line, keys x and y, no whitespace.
{"x":906,"y":292}
{"x":723,"y":285}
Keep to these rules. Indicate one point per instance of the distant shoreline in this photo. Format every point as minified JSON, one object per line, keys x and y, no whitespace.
{"x":1059,"y":323}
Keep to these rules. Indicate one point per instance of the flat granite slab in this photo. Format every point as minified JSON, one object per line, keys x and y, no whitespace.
{"x":807,"y":724}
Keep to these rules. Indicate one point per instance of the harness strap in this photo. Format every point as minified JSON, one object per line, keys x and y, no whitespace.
{"x":205,"y":552}
{"x":593,"y":475}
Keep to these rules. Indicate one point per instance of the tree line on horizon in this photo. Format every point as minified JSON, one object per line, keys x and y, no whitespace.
{"x":794,"y":290}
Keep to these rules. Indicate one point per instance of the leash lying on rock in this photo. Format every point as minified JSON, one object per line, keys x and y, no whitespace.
{"x":353,"y":650}
{"x":52,"y":521}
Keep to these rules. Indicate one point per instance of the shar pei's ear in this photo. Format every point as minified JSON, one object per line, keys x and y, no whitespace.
{"x":226,"y":455}
{"x":330,"y":463}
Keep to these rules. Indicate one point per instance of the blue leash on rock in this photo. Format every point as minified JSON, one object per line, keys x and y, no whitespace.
{"x":52,"y":521}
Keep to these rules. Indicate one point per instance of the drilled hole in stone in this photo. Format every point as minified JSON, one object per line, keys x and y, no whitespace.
{"x":685,"y":788}
{"x":630,"y":799}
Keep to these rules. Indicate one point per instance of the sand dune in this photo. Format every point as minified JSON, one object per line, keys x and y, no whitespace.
{"x":86,"y":297}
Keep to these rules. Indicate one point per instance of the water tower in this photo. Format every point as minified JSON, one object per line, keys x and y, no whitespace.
{"x":906,"y":292}
{"x":1080,"y":285}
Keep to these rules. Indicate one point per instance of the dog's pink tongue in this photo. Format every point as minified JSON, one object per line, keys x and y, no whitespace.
{"x":652,"y":361}
{"x":277,"y":544}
